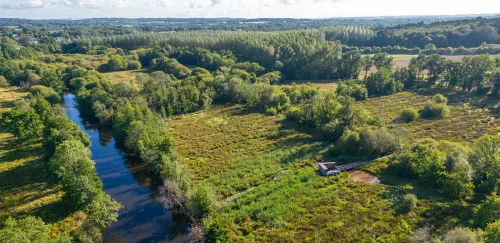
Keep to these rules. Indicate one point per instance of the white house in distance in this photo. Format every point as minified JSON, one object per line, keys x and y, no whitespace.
{"x":60,"y":39}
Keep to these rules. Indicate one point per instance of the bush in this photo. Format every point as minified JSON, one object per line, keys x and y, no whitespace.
{"x":271,"y":111}
{"x":421,"y":235}
{"x":367,"y":142}
{"x":461,"y":235}
{"x":134,"y":65}
{"x":492,"y":233}
{"x":408,"y":203}
{"x":201,"y":203}
{"x":217,"y":233}
{"x":408,"y":115}
{"x":435,"y":110}
{"x":439,"y":99}
{"x":29,"y":229}
{"x":48,"y":93}
{"x":3,"y":82}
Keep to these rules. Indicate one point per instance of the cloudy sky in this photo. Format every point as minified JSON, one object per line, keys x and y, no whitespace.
{"x":240,"y":8}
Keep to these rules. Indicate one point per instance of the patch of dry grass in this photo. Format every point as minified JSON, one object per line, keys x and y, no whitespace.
{"x":465,"y":123}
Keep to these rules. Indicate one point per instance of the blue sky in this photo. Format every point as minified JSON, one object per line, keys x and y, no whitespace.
{"x":240,"y":8}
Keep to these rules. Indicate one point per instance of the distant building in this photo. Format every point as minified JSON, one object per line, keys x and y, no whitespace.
{"x":33,"y":41}
{"x":60,"y":39}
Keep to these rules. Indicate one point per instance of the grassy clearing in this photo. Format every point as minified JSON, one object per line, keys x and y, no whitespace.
{"x":263,"y":170}
{"x":324,"y":86}
{"x":235,"y":149}
{"x":122,"y":76}
{"x":465,"y":122}
{"x":26,"y":185}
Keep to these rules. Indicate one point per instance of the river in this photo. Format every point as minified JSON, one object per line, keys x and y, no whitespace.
{"x":142,"y":218}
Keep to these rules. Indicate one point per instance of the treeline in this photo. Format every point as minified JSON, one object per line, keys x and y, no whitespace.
{"x":297,"y":54}
{"x":67,"y":152}
{"x":428,"y":50}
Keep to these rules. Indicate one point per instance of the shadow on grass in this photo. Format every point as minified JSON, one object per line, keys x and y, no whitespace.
{"x":30,"y":185}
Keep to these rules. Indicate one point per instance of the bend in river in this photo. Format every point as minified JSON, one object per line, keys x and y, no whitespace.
{"x":142,"y":218}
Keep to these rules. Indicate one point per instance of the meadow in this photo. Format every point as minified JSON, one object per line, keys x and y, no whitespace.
{"x":263,"y":172}
{"x":467,"y":120}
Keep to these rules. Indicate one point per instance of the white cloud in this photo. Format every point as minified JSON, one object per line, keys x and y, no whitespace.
{"x":237,"y":8}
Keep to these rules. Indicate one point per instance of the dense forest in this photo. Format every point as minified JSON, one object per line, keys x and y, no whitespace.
{"x":229,"y":125}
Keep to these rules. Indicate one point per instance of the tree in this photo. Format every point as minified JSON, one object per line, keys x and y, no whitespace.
{"x":50,"y":79}
{"x":383,"y":60}
{"x":436,"y":66}
{"x":23,"y":121}
{"x":492,"y":232}
{"x":74,"y":167}
{"x":427,"y":163}
{"x":485,"y":159}
{"x":29,"y":229}
{"x":488,"y":211}
{"x":350,"y":64}
{"x":367,"y":64}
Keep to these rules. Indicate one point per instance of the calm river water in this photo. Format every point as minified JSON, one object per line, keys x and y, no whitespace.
{"x":142,"y":218}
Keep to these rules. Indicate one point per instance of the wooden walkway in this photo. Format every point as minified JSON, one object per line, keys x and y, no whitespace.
{"x":358,"y":164}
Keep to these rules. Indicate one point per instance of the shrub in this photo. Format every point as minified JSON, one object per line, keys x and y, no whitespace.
{"x":217,"y":233}
{"x":439,"y":99}
{"x":435,"y":110}
{"x":29,"y":229}
{"x":201,"y":203}
{"x":461,"y":235}
{"x":48,"y":93}
{"x":408,"y":203}
{"x":408,"y":115}
{"x":271,"y":111}
{"x":492,"y":233}
{"x":3,"y":82}
{"x":134,"y":65}
{"x":421,"y":235}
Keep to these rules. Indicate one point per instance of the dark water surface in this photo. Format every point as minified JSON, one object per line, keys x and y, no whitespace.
{"x":142,"y":218}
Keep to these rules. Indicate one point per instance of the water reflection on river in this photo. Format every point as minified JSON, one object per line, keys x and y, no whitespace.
{"x":142,"y":218}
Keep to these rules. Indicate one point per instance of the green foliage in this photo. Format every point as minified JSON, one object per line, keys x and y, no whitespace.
{"x":4,"y":82}
{"x":485,"y":159}
{"x":74,"y":167}
{"x":408,"y":203}
{"x":23,"y":121}
{"x":48,"y":93}
{"x":492,"y":232}
{"x":488,"y":211}
{"x":382,"y":83}
{"x":52,"y":80}
{"x":462,"y":235}
{"x":217,"y":233}
{"x":271,"y":111}
{"x":28,"y":230}
{"x":201,"y":203}
{"x":367,"y":142}
{"x":350,"y":88}
{"x":435,"y":110}
{"x":439,"y":99}
{"x":427,"y":163}
{"x":172,"y":66}
{"x":408,"y":115}
{"x":382,"y":60}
